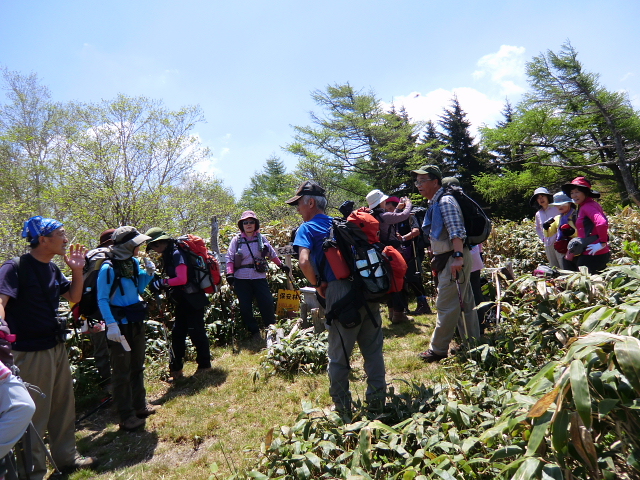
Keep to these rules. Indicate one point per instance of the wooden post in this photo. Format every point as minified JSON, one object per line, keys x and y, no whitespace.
{"x":214,"y":244}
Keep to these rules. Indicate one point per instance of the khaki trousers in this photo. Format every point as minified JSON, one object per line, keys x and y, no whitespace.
{"x":55,"y":413}
{"x":448,"y":305}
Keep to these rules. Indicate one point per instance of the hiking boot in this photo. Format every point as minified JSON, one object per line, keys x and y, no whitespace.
{"x":146,"y":411}
{"x":175,"y":375}
{"x":400,"y":317}
{"x":430,"y":356}
{"x":132,"y":423}
{"x":422,"y":308}
{"x":257,"y":341}
{"x":78,"y":463}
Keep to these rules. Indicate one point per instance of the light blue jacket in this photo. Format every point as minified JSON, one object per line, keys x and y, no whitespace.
{"x":131,"y":293}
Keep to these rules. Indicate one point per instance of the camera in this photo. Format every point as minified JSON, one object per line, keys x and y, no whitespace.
{"x":260,"y":265}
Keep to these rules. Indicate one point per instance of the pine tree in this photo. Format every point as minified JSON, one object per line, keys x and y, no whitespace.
{"x":460,"y":155}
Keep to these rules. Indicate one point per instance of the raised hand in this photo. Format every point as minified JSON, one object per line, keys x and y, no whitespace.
{"x":75,"y":258}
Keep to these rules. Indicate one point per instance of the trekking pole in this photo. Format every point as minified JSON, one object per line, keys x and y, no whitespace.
{"x":104,"y":403}
{"x":464,"y":318}
{"x":415,"y":257}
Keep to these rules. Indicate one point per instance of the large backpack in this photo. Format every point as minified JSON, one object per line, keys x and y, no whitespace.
{"x":476,"y":222}
{"x":358,"y":240}
{"x":88,"y":307}
{"x":203,"y":267}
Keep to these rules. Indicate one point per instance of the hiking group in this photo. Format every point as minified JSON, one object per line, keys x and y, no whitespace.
{"x":371,"y":255}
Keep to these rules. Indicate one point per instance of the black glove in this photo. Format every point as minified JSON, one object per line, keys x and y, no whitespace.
{"x":230,"y":280}
{"x":157,"y":285}
{"x":285,"y":268}
{"x":546,"y":225}
{"x":567,"y":230}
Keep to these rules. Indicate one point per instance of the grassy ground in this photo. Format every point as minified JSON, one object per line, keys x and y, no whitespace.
{"x":223,"y":416}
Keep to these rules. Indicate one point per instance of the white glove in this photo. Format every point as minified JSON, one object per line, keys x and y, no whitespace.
{"x":113,"y":332}
{"x":594,"y":248}
{"x":149,"y":265}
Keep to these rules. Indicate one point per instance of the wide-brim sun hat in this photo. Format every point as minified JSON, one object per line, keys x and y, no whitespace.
{"x":127,"y":234}
{"x":583,"y":184}
{"x":245,"y":215}
{"x":539,"y":191}
{"x":561,"y":198}
{"x":375,"y":198}
{"x":105,"y":238}
{"x":156,"y":234}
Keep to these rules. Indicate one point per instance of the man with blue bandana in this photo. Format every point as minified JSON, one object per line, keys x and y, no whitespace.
{"x":30,"y":290}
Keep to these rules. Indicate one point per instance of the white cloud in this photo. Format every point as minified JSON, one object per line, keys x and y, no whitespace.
{"x":627,"y":76}
{"x":210,"y":166}
{"x":501,"y":74}
{"x":506,"y":68}
{"x":478,"y":106}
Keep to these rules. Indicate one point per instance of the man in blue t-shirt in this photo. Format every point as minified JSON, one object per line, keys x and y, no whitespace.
{"x":310,"y":202}
{"x":29,"y":294}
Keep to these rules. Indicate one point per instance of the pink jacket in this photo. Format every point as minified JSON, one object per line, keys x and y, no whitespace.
{"x":593,"y":211}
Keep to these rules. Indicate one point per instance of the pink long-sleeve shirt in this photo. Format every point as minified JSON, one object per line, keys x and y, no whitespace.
{"x":593,"y":211}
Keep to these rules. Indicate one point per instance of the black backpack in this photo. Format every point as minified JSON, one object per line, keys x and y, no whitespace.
{"x":476,"y":222}
{"x":370,"y":268}
{"x":88,"y":305}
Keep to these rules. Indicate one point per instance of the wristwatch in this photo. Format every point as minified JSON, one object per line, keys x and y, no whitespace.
{"x":457,"y":255}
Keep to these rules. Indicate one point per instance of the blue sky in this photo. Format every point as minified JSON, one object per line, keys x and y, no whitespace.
{"x":251,"y":65}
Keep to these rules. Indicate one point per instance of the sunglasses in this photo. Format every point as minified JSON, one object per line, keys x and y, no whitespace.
{"x":248,"y":222}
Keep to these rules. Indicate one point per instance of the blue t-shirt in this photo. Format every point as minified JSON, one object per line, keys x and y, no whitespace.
{"x":31,"y":314}
{"x":311,"y":235}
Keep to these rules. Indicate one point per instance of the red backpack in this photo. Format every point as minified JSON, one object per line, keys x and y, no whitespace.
{"x":204,"y":269}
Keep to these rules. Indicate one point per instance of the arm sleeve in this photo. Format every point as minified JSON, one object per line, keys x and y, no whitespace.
{"x":181,"y":277}
{"x":143,"y":277}
{"x":104,"y":287}
{"x":273,"y":255}
{"x":553,"y":229}
{"x":9,"y":280}
{"x":452,"y":217}
{"x":601,"y":226}
{"x":229,"y":256}
{"x":539,"y":229}
{"x":396,"y":217}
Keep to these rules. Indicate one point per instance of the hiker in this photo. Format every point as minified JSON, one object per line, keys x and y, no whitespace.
{"x":389,"y":221}
{"x":30,"y":287}
{"x":562,"y":229}
{"x":247,"y":267}
{"x":444,"y":223}
{"x":121,"y":281}
{"x":592,"y":226}
{"x":311,"y":203}
{"x":412,"y":249}
{"x":16,"y":406}
{"x":98,"y":333}
{"x":189,"y":306}
{"x":542,"y":199}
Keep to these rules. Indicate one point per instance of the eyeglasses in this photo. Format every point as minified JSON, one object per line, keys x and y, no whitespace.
{"x":417,"y":183}
{"x":248,"y":222}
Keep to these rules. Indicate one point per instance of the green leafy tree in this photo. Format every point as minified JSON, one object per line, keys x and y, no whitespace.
{"x":461,"y":156}
{"x":268,"y":190}
{"x":126,"y":157}
{"x":570,"y":125}
{"x":355,"y":141}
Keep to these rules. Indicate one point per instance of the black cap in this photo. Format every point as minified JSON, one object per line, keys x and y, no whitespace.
{"x":307,"y":187}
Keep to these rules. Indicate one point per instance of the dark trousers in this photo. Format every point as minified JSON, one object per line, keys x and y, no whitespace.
{"x":595,"y":263}
{"x":247,"y":291}
{"x":189,"y":320}
{"x":127,"y":371}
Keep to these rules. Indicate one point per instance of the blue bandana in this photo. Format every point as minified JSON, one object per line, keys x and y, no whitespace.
{"x":38,"y":226}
